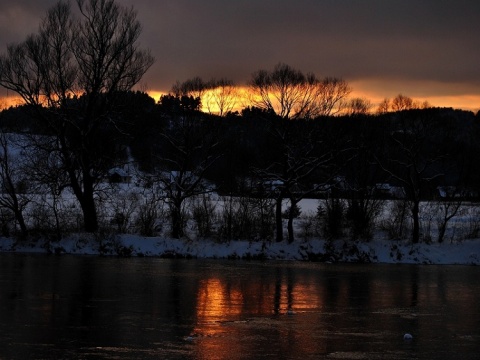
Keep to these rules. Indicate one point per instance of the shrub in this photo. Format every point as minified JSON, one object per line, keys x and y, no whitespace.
{"x":247,"y":218}
{"x":309,"y":226}
{"x":362,"y":215}
{"x":296,"y":212}
{"x":203,"y":213}
{"x":332,"y":212}
{"x":148,"y":220}
{"x":396,"y":223}
{"x":124,"y":206}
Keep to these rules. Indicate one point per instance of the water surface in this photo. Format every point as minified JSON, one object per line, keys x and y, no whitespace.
{"x":71,"y":307}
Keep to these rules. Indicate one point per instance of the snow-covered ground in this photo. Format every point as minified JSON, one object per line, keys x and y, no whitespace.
{"x":461,"y":244}
{"x":376,"y":251}
{"x":381,"y":249}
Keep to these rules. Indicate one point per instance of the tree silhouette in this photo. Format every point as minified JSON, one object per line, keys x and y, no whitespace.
{"x":222,"y":96}
{"x":12,"y":179}
{"x":303,"y":153}
{"x":75,"y":67}
{"x":402,"y":102}
{"x":194,"y":87}
{"x":186,"y":149}
{"x":291,"y":95}
{"x":358,"y":106}
{"x":412,"y":158}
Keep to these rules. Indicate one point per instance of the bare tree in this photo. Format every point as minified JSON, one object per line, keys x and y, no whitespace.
{"x":222,"y":96}
{"x":75,"y":67}
{"x":413,"y":160}
{"x":187,"y":150}
{"x":358,"y":106}
{"x":13,"y":196}
{"x":330,"y":96}
{"x":452,"y":197}
{"x":279,"y":91}
{"x":402,"y":102}
{"x":45,"y":169}
{"x":384,"y":106}
{"x":194,"y":87}
{"x":447,"y":208}
{"x":364,"y":204}
{"x":303,"y":153}
{"x":290,"y":94}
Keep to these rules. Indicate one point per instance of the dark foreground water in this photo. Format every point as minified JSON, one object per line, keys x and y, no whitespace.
{"x":88,"y":307}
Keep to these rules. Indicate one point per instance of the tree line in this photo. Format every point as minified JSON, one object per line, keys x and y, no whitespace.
{"x":299,"y":136}
{"x":288,"y":93}
{"x":181,"y":155}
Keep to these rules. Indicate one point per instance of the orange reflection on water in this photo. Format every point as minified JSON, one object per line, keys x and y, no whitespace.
{"x":306,"y":297}
{"x":216,"y":301}
{"x":236,"y":316}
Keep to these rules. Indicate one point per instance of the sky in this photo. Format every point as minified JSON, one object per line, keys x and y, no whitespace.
{"x":425,"y":49}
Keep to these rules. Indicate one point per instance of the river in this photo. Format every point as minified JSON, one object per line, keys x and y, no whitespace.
{"x":67,"y":307}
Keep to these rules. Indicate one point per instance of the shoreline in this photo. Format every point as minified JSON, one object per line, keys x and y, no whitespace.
{"x":375,"y":251}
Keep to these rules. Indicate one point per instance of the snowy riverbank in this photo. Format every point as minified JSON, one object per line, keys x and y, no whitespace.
{"x":376,"y":251}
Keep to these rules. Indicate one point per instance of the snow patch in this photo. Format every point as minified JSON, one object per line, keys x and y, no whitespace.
{"x":375,"y":251}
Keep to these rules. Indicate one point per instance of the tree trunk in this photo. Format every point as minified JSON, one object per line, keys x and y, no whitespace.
{"x":83,"y":188}
{"x":87,"y":202}
{"x":278,"y":218}
{"x":56,"y":215}
{"x":17,"y":212}
{"x":176,"y":218}
{"x":290,"y":229}
{"x":90,"y":220}
{"x":416,"y":222}
{"x":291,"y":215}
{"x":441,"y":231}
{"x":21,"y":222}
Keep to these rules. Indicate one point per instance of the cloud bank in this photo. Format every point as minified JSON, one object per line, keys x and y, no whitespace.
{"x":422,"y":48}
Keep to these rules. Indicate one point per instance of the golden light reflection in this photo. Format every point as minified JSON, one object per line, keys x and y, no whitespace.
{"x":216,"y":301}
{"x":231,"y":313}
{"x":334,"y":307}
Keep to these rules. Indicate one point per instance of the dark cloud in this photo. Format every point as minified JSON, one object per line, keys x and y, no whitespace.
{"x":20,"y":18}
{"x":430,"y":41}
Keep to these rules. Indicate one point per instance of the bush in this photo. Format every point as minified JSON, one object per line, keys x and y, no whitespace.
{"x":6,"y":219}
{"x":473,"y":224}
{"x":111,"y":244}
{"x":332,"y":212}
{"x":396,"y":223}
{"x":362,"y":215}
{"x":296,"y":212}
{"x":147,"y":222}
{"x":247,"y":218}
{"x":124,"y":206}
{"x":309,"y":226}
{"x":203,"y":213}
{"x":236,"y":221}
{"x":53,"y":219}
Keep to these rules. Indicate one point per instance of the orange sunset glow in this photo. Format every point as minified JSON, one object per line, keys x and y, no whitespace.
{"x":433,"y":59}
{"x":6,"y":102}
{"x":469,"y":102}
